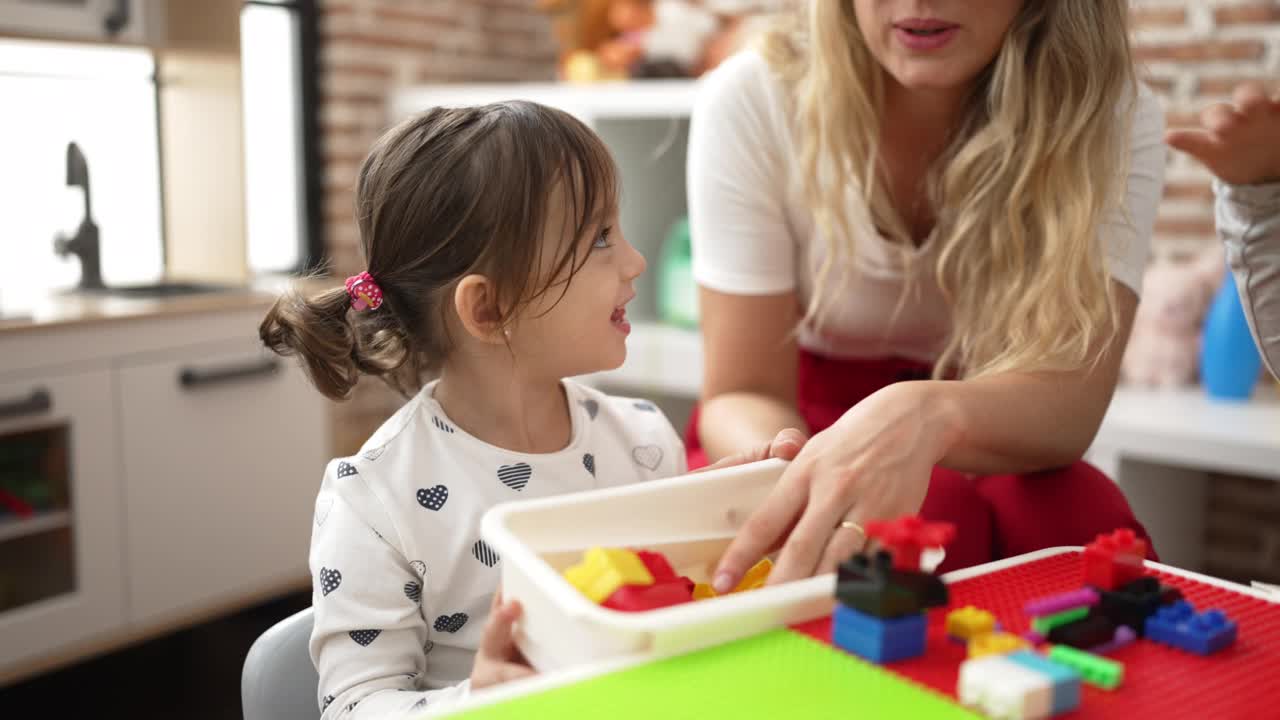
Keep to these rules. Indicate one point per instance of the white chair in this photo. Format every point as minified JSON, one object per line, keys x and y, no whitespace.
{"x":278,"y":681}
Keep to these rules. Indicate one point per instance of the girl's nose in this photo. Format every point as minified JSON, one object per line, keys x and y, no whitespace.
{"x":634,"y":265}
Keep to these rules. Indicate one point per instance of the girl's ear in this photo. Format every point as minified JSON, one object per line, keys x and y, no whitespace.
{"x":476,"y":303}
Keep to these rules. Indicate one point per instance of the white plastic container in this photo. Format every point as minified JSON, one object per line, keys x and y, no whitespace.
{"x":690,"y":519}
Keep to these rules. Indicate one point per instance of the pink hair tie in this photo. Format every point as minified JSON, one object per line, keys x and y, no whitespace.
{"x":364,"y":292}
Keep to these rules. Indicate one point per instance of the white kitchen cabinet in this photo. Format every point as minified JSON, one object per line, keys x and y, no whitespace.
{"x":223,"y":449}
{"x":61,"y":571}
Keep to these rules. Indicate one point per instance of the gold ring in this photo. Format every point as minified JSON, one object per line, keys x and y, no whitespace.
{"x":852,"y":526}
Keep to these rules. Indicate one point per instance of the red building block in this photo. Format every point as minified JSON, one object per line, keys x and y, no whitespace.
{"x":906,"y":537}
{"x":657,"y":565}
{"x":637,"y":598}
{"x":1114,"y":560}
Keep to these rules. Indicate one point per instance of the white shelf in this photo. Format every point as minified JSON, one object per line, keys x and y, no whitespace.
{"x":661,"y":359}
{"x":12,"y":527}
{"x":625,"y":99}
{"x":1185,"y":427}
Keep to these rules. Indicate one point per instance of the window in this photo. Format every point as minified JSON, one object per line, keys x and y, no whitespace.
{"x":104,"y":100}
{"x":277,"y":53}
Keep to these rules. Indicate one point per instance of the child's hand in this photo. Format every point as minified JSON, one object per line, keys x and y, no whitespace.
{"x":498,"y":660}
{"x":1240,"y":141}
{"x":786,"y":445}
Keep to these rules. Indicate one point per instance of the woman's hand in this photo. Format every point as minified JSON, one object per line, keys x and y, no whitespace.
{"x":785,"y":445}
{"x":498,"y":660}
{"x":874,"y":463}
{"x":1240,"y":141}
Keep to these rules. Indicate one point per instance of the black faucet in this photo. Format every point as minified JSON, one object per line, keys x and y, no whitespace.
{"x":84,"y":244}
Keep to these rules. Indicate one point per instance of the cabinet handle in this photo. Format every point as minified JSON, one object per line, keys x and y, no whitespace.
{"x":193,"y":378}
{"x":39,"y":401}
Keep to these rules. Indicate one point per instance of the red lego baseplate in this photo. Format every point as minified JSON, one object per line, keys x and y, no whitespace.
{"x":1159,"y":681}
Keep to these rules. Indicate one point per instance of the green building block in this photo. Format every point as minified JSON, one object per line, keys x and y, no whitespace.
{"x":1097,"y":671}
{"x":1046,"y":623}
{"x":778,"y":674}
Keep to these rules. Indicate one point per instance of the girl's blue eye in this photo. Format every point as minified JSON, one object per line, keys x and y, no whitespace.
{"x":602,"y":241}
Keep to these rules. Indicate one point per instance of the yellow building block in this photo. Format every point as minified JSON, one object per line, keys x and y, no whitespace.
{"x":996,"y":643}
{"x":703,"y":591}
{"x":969,"y":622}
{"x":604,"y":570}
{"x":755,"y":577}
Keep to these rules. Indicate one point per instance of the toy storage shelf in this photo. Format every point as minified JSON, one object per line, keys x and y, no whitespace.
{"x":1161,"y":446}
{"x":623,"y":99}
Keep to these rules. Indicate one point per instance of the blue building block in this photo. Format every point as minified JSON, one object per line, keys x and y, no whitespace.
{"x":877,"y":639}
{"x":1180,"y":626}
{"x":1066,"y":681}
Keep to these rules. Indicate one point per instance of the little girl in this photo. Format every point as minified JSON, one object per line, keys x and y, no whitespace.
{"x":494,"y":263}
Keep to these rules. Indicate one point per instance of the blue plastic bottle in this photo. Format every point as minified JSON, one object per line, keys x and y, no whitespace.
{"x":1230,"y":364}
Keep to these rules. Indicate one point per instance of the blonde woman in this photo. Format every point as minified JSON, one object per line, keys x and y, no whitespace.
{"x":919,"y":232}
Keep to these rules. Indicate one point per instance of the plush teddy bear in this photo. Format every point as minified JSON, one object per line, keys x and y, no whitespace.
{"x":615,"y":39}
{"x":658,"y":38}
{"x":1164,"y":347}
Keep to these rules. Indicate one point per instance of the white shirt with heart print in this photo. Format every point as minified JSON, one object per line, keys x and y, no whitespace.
{"x":402,"y":582}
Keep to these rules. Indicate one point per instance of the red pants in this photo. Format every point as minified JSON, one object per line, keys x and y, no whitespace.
{"x":995,"y":516}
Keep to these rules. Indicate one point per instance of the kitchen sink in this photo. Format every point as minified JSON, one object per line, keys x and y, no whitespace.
{"x":162,"y":290}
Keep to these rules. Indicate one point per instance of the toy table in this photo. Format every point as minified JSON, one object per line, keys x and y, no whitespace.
{"x":796,"y":672}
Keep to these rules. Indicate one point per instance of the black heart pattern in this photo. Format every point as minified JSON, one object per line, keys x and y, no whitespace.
{"x":441,"y":424}
{"x":515,"y":476}
{"x":374,"y":454}
{"x":413,"y":591}
{"x":364,"y":637}
{"x":329,"y":580}
{"x":346,"y":469}
{"x":592,"y":407}
{"x":589,"y":462}
{"x":352,"y":706}
{"x":325,"y":703}
{"x":450,"y":623}
{"x":649,"y":456}
{"x":484,"y":553}
{"x":646,"y":406}
{"x":419,"y":567}
{"x":433,"y":498}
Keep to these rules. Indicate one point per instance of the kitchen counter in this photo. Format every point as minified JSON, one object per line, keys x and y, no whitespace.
{"x":68,"y":308}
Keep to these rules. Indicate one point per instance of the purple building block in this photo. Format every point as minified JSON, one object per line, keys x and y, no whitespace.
{"x":1124,"y":636}
{"x":1084,"y":597}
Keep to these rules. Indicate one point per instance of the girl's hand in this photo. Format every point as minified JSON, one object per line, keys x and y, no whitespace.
{"x":1240,"y":141}
{"x":785,"y":445}
{"x":498,"y":660}
{"x":874,"y":463}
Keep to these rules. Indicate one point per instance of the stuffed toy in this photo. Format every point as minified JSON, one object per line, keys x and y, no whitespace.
{"x":616,"y":39}
{"x":581,"y":27}
{"x":1164,"y":346}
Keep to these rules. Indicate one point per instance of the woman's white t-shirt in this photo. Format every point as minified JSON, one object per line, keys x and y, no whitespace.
{"x":754,"y":233}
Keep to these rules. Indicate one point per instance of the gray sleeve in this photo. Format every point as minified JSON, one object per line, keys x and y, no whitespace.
{"x":1248,"y":220}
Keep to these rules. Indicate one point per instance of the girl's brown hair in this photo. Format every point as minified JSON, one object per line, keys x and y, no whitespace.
{"x":445,"y":194}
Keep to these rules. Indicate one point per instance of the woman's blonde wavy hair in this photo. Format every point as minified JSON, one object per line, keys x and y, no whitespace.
{"x":1019,"y":194}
